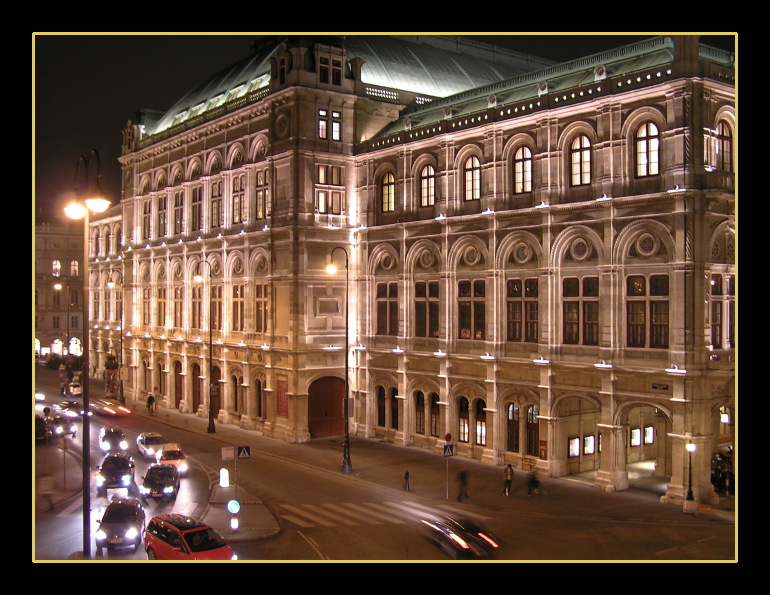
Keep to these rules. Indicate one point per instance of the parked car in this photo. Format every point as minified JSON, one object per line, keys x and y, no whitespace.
{"x":108,"y":407}
{"x":74,"y":389}
{"x":112,"y":438}
{"x":116,"y":471}
{"x":147,"y":443}
{"x":121,"y":525}
{"x":42,"y":431}
{"x":61,"y":425}
{"x":179,"y":537}
{"x":160,"y":481}
{"x":459,"y":537}
{"x":171,"y":453}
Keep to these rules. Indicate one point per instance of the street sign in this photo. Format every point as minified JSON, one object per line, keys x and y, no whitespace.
{"x":448,"y":437}
{"x":228,"y":453}
{"x":449,"y":450}
{"x":244,"y":452}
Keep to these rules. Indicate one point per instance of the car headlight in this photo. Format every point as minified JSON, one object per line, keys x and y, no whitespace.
{"x":151,"y":452}
{"x":235,"y":557}
{"x":126,"y":480}
{"x":101,"y":534}
{"x":58,"y":430}
{"x":144,"y":490}
{"x":105,"y":446}
{"x":132,"y":533}
{"x":123,"y":445}
{"x":168,"y":489}
{"x":99,"y":479}
{"x":183,"y":467}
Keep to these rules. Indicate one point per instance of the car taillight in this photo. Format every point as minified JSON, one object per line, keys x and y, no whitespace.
{"x":459,"y":540}
{"x":488,"y":539}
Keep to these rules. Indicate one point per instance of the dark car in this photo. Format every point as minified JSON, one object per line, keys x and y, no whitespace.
{"x":116,"y":471}
{"x":71,"y":408}
{"x":121,"y":525}
{"x":112,"y":438}
{"x":42,"y":431}
{"x":460,"y":537}
{"x":179,"y":537}
{"x":61,"y":425}
{"x":160,"y":481}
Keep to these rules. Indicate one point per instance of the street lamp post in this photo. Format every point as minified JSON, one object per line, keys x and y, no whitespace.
{"x":347,"y":467}
{"x":59,"y":287}
{"x":199,"y":279}
{"x":689,"y":502}
{"x":84,"y":202}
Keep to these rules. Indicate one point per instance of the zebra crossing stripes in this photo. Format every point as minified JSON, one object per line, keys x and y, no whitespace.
{"x":350,"y":514}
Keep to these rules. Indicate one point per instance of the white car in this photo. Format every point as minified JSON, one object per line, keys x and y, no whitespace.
{"x":171,"y":454}
{"x":148,"y":444}
{"x":75,"y":388}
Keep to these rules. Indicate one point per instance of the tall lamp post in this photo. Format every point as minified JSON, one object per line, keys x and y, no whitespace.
{"x":689,"y":502}
{"x":199,"y":279}
{"x":59,"y":287}
{"x":86,"y":200}
{"x":331,"y":268}
{"x":121,"y":398}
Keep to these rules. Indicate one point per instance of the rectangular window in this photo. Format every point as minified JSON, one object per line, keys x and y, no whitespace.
{"x":636,"y":437}
{"x":590,"y":323}
{"x":481,"y":431}
{"x":589,"y":445}
{"x":426,"y":309}
{"x":239,"y":198}
{"x":471,"y":308}
{"x":161,"y":217}
{"x":178,"y":306}
{"x":261,"y":196}
{"x":196,"y":307}
{"x":659,"y":325}
{"x":147,"y":209}
{"x":636,"y":324}
{"x":464,"y":429}
{"x":387,"y":308}
{"x":216,"y":203}
{"x":178,"y":211}
{"x":197,"y":208}
{"x":260,"y":308}
{"x":571,"y":323}
{"x":573,"y":446}
{"x":580,"y":324}
{"x":216,"y":307}
{"x":146,"y":306}
{"x":238,"y":308}
{"x":323,"y":124}
{"x":161,"y":319}
{"x":649,"y":435}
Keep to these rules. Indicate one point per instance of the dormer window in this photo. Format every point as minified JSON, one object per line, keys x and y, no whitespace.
{"x":329,"y":71}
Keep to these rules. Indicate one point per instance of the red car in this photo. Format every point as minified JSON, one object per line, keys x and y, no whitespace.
{"x":179,"y":537}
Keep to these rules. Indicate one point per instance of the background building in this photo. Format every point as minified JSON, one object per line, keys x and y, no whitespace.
{"x":540,"y":257}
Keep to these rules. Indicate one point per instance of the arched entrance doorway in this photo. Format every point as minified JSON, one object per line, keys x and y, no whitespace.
{"x":196,"y":388}
{"x":177,"y":384}
{"x":324,"y":409}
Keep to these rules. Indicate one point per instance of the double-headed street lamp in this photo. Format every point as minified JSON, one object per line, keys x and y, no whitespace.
{"x":199,"y":279}
{"x":86,"y":200}
{"x":331,"y":268}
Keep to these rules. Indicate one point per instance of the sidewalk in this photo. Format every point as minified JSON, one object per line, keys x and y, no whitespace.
{"x":432,"y":477}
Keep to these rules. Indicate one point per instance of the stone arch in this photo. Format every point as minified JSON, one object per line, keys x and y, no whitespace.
{"x":722,"y":243}
{"x":629,"y":234}
{"x":194,"y":169}
{"x":160,"y":180}
{"x":259,"y":148}
{"x":214,"y":163}
{"x":423,"y":254}
{"x":259,"y":264}
{"x":235,"y":155}
{"x":469,"y":252}
{"x":566,"y":240}
{"x":177,"y":175}
{"x":384,"y":258}
{"x":511,"y":243}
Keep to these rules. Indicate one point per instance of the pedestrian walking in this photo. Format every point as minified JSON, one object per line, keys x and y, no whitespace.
{"x":406,"y":480}
{"x":532,"y":484}
{"x":462,"y":480}
{"x":507,"y":480}
{"x":150,"y":404}
{"x":46,"y":488}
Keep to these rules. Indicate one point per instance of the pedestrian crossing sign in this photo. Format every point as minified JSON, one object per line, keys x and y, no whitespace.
{"x":244,"y":452}
{"x":449,"y":450}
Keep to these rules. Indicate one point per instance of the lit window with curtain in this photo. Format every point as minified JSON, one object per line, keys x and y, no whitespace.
{"x":647,"y":144}
{"x":481,"y":422}
{"x":580,"y":161}
{"x":388,"y":192}
{"x":522,"y":170}
{"x":427,"y":186}
{"x":472,"y":178}
{"x":463,"y":420}
{"x":724,"y":147}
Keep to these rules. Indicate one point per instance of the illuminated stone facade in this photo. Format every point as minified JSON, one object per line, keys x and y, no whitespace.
{"x":541,"y":265}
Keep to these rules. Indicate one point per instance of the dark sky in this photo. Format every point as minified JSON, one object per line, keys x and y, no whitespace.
{"x":86,"y":87}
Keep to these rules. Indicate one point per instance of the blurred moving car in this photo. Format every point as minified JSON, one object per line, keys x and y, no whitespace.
{"x":116,"y":471}
{"x":112,"y":438}
{"x":460,"y":537}
{"x":70,"y":408}
{"x":108,"y":407}
{"x":148,"y":443}
{"x":61,"y":425}
{"x":122,"y":524}
{"x":160,"y":481}
{"x":179,"y":537}
{"x":171,"y":453}
{"x":74,"y":388}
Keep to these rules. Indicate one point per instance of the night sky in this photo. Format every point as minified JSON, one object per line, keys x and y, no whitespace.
{"x":86,"y":87}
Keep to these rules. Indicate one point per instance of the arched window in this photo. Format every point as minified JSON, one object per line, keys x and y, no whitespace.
{"x":512,"y":422}
{"x":647,"y":150}
{"x":533,"y":430}
{"x":56,"y":268}
{"x":388,"y":190}
{"x":522,"y":170}
{"x":463,"y":419}
{"x":435,"y":412}
{"x":724,"y":152}
{"x":472,"y":177}
{"x":481,"y":422}
{"x":419,"y":412}
{"x":381,"y":406}
{"x":580,"y":161}
{"x":427,"y":186}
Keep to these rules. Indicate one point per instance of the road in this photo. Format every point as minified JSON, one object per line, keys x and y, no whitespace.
{"x":327,"y":515}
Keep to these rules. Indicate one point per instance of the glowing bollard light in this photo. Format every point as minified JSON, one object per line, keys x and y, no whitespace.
{"x":224,"y":478}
